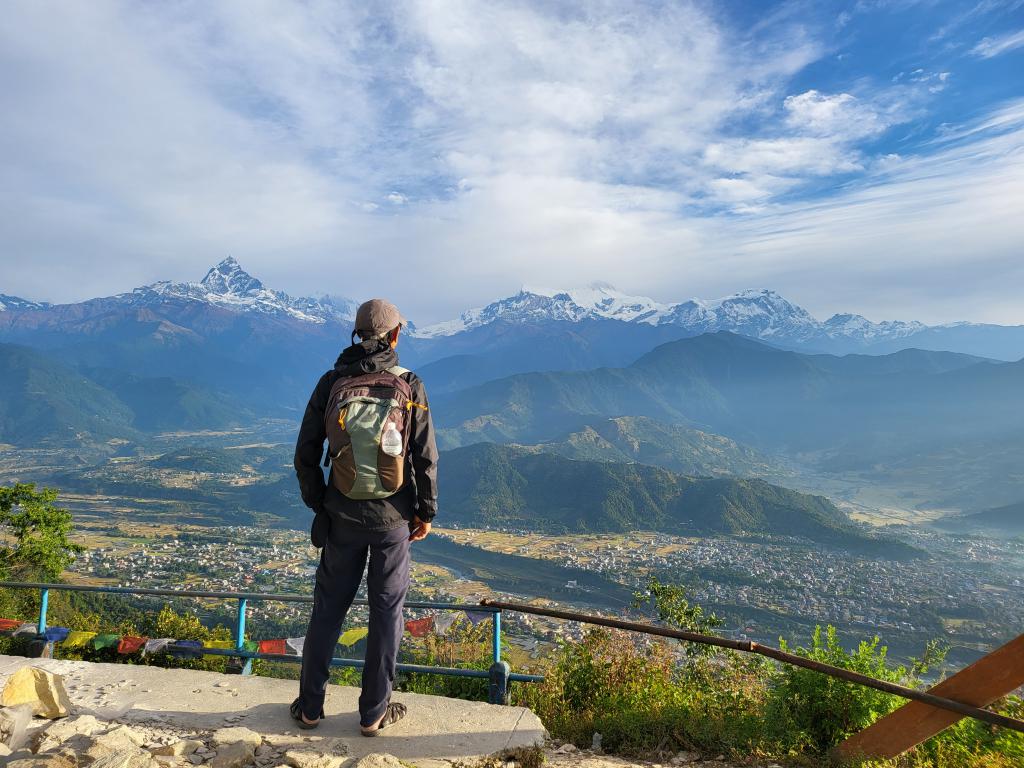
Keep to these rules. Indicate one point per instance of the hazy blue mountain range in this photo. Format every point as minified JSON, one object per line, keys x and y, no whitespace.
{"x":1005,"y":519}
{"x":761,"y":314}
{"x":853,"y":414}
{"x":220,"y":331}
{"x":44,"y":400}
{"x":41,"y":399}
{"x":751,"y":392}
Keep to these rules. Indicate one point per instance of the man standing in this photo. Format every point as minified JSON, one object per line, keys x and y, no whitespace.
{"x":381,"y":495}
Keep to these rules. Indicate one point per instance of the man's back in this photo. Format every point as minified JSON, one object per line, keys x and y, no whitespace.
{"x":417,"y":497}
{"x":361,"y":524}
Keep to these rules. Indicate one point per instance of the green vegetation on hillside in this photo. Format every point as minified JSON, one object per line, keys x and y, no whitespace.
{"x":676,"y":447}
{"x":489,"y":485}
{"x":42,"y":399}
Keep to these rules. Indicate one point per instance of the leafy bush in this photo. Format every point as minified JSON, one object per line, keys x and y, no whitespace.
{"x":817,"y":711}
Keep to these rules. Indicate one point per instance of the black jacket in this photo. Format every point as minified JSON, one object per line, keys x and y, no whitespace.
{"x":334,"y":510}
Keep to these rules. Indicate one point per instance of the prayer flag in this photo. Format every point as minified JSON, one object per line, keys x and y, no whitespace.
{"x":56,"y":634}
{"x":352,"y":636}
{"x":420,"y":627}
{"x":443,"y":622}
{"x":156,"y":645}
{"x":9,"y":625}
{"x":78,"y":639}
{"x":185,"y":649}
{"x":477,"y":616}
{"x":219,"y":644}
{"x":250,"y":645}
{"x":130,"y":644}
{"x":99,"y":642}
{"x":27,"y":628}
{"x":296,"y":644}
{"x":273,"y":646}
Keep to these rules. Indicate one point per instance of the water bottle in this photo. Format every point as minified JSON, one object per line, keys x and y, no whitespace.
{"x":391,"y":440}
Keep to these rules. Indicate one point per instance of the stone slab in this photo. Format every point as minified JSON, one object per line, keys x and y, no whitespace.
{"x":436,"y":728}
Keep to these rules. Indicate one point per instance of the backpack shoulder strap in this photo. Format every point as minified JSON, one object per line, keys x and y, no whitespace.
{"x":398,"y":370}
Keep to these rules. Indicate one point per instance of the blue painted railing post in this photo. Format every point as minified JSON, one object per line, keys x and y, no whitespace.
{"x":497,"y":636}
{"x":497,"y":690}
{"x":240,"y":635}
{"x":44,"y":602}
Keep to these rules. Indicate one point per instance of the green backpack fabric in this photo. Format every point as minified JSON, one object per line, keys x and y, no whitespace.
{"x":368,"y":420}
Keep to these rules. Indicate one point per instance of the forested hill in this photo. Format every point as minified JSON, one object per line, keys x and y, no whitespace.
{"x":491,"y":485}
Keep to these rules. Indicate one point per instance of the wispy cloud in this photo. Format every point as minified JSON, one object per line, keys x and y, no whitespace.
{"x":994,"y":46}
{"x":473,"y":146}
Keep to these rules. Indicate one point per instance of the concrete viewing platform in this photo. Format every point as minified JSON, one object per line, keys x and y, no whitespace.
{"x":436,"y":728}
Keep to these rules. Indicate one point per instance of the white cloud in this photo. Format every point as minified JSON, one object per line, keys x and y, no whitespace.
{"x":994,"y":46}
{"x":472,"y":145}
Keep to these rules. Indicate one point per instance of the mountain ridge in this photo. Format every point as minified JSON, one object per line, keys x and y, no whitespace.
{"x":489,"y":485}
{"x":759,"y":313}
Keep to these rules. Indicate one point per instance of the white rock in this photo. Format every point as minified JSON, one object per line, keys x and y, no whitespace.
{"x":302,"y":758}
{"x":21,"y":760}
{"x":118,"y":740}
{"x":126,"y":758}
{"x":180,"y":748}
{"x":233,"y":735}
{"x":378,"y":760}
{"x":566,"y":748}
{"x":685,"y":757}
{"x":235,"y":755}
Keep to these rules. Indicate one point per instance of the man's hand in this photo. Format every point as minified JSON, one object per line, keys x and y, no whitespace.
{"x":418,"y":529}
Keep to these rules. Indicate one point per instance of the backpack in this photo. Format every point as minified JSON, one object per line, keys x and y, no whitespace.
{"x":368,"y":421}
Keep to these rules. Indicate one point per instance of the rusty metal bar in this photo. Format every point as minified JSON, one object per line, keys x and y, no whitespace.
{"x":749,"y":646}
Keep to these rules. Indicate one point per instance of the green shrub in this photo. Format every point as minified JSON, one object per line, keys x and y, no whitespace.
{"x":816,"y":711}
{"x":632,"y":690}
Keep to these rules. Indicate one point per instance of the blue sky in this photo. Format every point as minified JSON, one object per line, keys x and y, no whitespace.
{"x":860,"y":156}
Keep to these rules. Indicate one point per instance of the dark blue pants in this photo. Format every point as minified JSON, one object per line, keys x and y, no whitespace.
{"x":342,"y":561}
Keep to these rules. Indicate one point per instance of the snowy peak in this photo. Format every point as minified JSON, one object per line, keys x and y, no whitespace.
{"x":9,"y":303}
{"x":755,"y":312}
{"x":852,"y":326}
{"x":759,"y":313}
{"x":229,"y":286}
{"x":598,"y":300}
{"x":229,"y":279}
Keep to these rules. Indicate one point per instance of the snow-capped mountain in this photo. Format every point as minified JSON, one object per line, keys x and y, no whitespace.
{"x":759,"y":313}
{"x":16,"y":302}
{"x":859,"y":327}
{"x":228,"y":285}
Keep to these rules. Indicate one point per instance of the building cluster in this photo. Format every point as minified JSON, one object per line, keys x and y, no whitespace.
{"x":960,"y":585}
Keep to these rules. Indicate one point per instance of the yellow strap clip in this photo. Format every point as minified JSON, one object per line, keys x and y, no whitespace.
{"x":409,"y":405}
{"x":341,"y":417}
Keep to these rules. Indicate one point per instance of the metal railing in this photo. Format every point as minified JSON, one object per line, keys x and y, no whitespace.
{"x":499,"y":674}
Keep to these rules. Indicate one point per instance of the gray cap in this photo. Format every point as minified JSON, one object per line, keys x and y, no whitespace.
{"x":377,"y":317}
